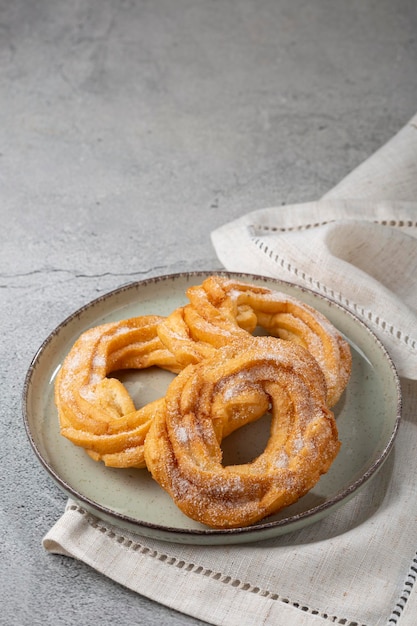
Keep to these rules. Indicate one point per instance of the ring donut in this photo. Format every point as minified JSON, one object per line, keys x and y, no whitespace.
{"x":96,"y":412}
{"x":222,"y":311}
{"x":209,"y":399}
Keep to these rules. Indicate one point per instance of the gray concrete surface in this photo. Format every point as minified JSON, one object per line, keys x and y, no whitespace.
{"x":128,"y":131}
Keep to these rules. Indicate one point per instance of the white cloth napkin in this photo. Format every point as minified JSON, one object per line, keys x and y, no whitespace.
{"x":358,"y":566}
{"x":361,"y":253}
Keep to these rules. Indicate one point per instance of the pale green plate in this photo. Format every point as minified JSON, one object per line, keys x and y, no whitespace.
{"x":368,"y":417}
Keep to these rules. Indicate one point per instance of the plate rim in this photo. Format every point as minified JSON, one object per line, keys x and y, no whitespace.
{"x":208,"y":535}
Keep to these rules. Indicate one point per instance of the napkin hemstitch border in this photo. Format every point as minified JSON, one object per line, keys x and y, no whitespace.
{"x":384,"y":326}
{"x":408,"y":587}
{"x":258,"y":228}
{"x":116,"y":534}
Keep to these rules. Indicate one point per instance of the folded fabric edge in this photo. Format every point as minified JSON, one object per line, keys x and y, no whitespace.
{"x":214,"y":599}
{"x":239,"y":249}
{"x":400,"y":214}
{"x":390,"y":173}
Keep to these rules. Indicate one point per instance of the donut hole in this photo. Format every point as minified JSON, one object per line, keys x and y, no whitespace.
{"x":282,"y":327}
{"x":145,"y":385}
{"x":245,"y":444}
{"x":260,"y":331}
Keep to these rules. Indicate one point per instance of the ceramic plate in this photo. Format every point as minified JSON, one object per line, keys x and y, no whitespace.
{"x":367,"y":416}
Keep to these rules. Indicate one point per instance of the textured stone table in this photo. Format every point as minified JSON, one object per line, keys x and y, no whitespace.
{"x":128,"y":131}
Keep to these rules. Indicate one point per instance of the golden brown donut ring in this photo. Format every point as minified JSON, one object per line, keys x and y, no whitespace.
{"x":221,"y":307}
{"x":96,"y":412}
{"x":182,"y":448}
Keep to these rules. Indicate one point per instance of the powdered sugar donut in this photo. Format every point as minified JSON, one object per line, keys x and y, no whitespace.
{"x":96,"y":411}
{"x":223,"y":311}
{"x":209,"y":399}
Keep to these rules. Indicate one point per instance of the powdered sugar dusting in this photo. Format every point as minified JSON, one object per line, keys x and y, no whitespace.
{"x":181,"y":434}
{"x":298,"y":443}
{"x":282,"y":460}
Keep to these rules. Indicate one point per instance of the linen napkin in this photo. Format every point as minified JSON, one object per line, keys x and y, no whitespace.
{"x":358,"y":566}
{"x":360,"y":253}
